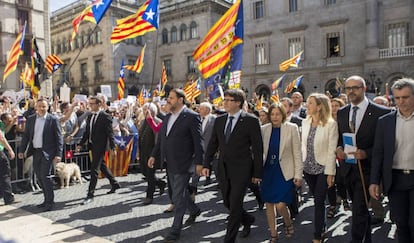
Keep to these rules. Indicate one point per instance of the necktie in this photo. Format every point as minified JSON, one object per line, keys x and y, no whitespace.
{"x":228,"y":128}
{"x":93,"y":119}
{"x":353,"y":118}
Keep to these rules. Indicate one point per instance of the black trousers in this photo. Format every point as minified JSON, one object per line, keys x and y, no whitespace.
{"x":97,"y":164}
{"x":43,"y":169}
{"x":401,"y":195}
{"x":361,"y":218}
{"x":5,"y":180}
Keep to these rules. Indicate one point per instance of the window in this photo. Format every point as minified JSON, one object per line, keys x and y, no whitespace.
{"x":261,"y":53}
{"x":53,"y":47}
{"x":82,"y":40}
{"x":98,"y":69}
{"x":139,"y":40}
{"x":59,"y":48}
{"x":295,"y":46}
{"x":76,"y":43}
{"x":258,"y":8}
{"x":293,"y":6}
{"x":333,"y":44}
{"x":98,"y":38}
{"x":193,"y":30}
{"x":167,"y":64}
{"x":191,"y":65}
{"x":330,"y":2}
{"x":23,"y":17}
{"x":173,"y":34}
{"x":84,"y":72}
{"x":397,"y":35}
{"x":131,"y":74}
{"x":64,"y":45}
{"x":164,"y":36}
{"x":69,"y":45}
{"x":183,"y":32}
{"x":90,"y":38}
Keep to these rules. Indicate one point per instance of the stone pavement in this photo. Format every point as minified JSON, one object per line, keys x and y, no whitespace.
{"x":121,"y":217}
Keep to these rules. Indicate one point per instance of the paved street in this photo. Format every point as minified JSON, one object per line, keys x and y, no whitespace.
{"x":121,"y":217}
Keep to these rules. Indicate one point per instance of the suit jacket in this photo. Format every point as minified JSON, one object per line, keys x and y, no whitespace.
{"x":296,"y":119}
{"x":182,"y":145}
{"x":102,"y":133}
{"x":324,"y":144}
{"x":365,"y":135}
{"x":208,"y":130}
{"x":52,"y":137}
{"x":290,"y":156}
{"x":383,"y":152}
{"x":242,"y":156}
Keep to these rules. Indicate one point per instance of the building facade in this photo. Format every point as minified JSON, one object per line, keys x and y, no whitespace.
{"x":370,"y":38}
{"x":14,"y":14}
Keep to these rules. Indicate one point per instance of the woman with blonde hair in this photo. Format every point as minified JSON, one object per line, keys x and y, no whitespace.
{"x":282,"y":168}
{"x":319,"y":140}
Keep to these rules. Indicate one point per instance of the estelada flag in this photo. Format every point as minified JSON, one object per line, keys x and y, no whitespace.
{"x":119,"y":164}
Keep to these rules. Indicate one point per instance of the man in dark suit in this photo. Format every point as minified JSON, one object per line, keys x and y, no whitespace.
{"x":392,"y":159}
{"x":238,"y":138}
{"x":99,"y":135}
{"x":43,"y":139}
{"x":179,"y":144}
{"x":359,"y":117}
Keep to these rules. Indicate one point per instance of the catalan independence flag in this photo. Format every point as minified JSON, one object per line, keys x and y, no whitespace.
{"x":278,"y":82}
{"x":92,"y":13}
{"x":121,"y":82}
{"x":214,"y":51}
{"x":292,"y":62}
{"x":124,"y":146}
{"x":294,"y":84}
{"x":139,"y":64}
{"x":15,"y":52}
{"x":146,"y":19}
{"x":53,"y":63}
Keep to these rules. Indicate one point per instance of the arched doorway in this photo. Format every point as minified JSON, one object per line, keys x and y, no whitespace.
{"x":263,"y":90}
{"x":332,"y":89}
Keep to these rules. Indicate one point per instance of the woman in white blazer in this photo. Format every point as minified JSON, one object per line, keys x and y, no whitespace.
{"x":319,"y":140}
{"x":282,"y":168}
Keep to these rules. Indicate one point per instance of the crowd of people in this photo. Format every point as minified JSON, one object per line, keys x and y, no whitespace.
{"x":272,"y":151}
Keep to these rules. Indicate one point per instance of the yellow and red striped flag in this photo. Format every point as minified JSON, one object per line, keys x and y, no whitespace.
{"x":87,"y":15}
{"x":189,"y":90}
{"x":144,"y":20}
{"x":139,"y":63}
{"x":121,"y":82}
{"x":214,"y":51}
{"x":141,"y":96}
{"x":259,"y":103}
{"x":164,"y":79}
{"x":294,"y":84}
{"x":53,"y":63}
{"x":275,"y":96}
{"x":27,"y":76}
{"x":15,"y":51}
{"x":292,"y":62}
{"x":120,"y":163}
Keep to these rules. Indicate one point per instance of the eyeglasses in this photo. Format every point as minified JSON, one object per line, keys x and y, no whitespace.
{"x":229,"y":100}
{"x":353,"y":88}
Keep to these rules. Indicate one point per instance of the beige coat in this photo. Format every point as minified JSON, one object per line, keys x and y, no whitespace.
{"x":324,"y":144}
{"x":290,"y":157}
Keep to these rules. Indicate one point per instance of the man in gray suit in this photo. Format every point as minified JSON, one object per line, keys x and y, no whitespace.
{"x":43,"y":139}
{"x":179,"y":144}
{"x":207,"y":124}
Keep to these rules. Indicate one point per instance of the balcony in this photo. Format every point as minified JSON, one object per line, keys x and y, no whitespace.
{"x":333,"y":61}
{"x":406,"y":51}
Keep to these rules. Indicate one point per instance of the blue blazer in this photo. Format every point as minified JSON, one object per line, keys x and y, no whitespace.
{"x":184,"y":143}
{"x":384,"y":149}
{"x":52,"y":137}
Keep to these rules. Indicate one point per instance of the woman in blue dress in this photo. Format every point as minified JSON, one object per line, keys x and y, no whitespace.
{"x":282,"y":168}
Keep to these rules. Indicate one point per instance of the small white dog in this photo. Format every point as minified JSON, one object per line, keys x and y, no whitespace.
{"x":66,"y":171}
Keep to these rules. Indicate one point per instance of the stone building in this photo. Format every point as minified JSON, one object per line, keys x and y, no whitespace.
{"x":14,"y":13}
{"x":370,"y":38}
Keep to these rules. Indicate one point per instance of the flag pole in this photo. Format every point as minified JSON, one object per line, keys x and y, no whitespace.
{"x":155,"y":58}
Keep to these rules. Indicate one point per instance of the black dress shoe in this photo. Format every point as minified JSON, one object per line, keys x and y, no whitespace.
{"x":147,"y":201}
{"x":114,"y":188}
{"x":87,"y":200}
{"x":377,"y":221}
{"x":171,"y":237}
{"x":10,"y":201}
{"x":245,"y":232}
{"x":48,"y":207}
{"x":162,"y":186}
{"x":42,"y":205}
{"x":192,"y":218}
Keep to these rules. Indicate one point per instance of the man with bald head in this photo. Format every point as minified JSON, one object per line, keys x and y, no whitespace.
{"x":297,"y":107}
{"x":359,"y":117}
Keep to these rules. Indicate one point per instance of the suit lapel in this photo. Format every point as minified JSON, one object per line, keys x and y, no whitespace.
{"x":239,"y":124}
{"x":182,"y":115}
{"x":366,"y":119}
{"x":283,"y":134}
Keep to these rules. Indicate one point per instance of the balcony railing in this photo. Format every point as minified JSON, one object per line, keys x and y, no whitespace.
{"x":405,"y":51}
{"x":332,"y":61}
